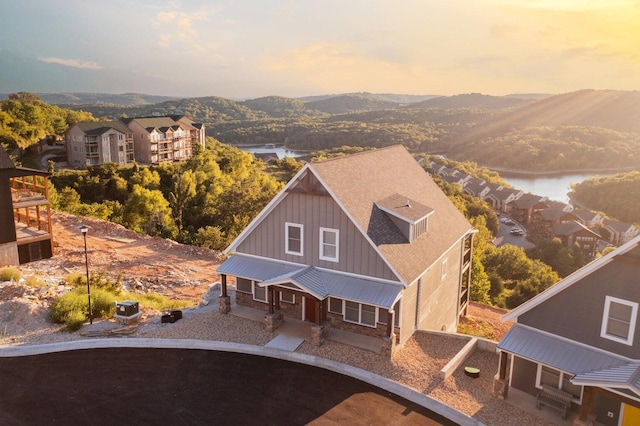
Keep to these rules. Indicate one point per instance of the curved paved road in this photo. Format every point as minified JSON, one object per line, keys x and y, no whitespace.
{"x":147,"y":386}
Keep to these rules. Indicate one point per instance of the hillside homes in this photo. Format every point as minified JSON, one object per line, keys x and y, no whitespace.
{"x":543,"y":218}
{"x":146,"y":140}
{"x":26,"y":233}
{"x":577,"y":340}
{"x":366,"y":243}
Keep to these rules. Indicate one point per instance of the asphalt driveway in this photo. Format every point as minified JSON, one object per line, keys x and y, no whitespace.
{"x":146,"y":386}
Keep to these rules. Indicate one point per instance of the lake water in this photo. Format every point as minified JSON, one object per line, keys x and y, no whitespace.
{"x":553,"y":187}
{"x":280,"y":150}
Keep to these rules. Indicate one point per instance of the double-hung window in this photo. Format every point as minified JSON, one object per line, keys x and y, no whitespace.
{"x":329,"y":249}
{"x":294,"y":238}
{"x":619,"y":320}
{"x":244,"y":285}
{"x":360,"y":313}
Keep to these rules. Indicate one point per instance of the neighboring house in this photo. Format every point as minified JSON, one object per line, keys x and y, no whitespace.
{"x":499,"y":197}
{"x":620,"y":232}
{"x":164,"y":139}
{"x":476,"y":187}
{"x":588,"y":218}
{"x":579,"y":336}
{"x":90,"y":143}
{"x":366,"y":243}
{"x":575,"y":232}
{"x":522,"y":209}
{"x":25,"y":217}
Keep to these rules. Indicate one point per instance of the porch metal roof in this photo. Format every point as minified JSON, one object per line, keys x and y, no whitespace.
{"x":254,"y":268}
{"x":318,"y":282}
{"x":566,"y":355}
{"x":590,"y":366}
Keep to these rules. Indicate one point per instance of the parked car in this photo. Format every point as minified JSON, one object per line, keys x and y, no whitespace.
{"x":509,"y":222}
{"x":516,"y":231}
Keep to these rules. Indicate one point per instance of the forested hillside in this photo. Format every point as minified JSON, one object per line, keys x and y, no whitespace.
{"x":617,"y":196}
{"x":25,"y":120}
{"x":584,"y":130}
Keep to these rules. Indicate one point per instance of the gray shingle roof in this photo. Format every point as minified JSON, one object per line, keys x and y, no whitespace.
{"x":358,"y":181}
{"x":100,"y":127}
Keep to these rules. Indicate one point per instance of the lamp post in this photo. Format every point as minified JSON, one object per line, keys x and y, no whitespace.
{"x":84,"y":229}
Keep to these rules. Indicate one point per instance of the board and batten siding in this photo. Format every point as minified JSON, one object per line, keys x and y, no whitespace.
{"x":356,"y":255}
{"x":439,"y":296}
{"x":583,"y":324}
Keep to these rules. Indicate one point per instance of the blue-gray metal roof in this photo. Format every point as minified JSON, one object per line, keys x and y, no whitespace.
{"x":561,"y":354}
{"x":318,"y":282}
{"x":255,"y":269}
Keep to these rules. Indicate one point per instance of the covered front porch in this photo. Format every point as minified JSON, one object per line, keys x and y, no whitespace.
{"x":300,"y":329}
{"x":326,"y":302}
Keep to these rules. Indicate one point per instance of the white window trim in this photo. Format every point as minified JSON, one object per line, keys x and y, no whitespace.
{"x":287,"y":301}
{"x":341,"y":304}
{"x":255,"y":285}
{"x":560,"y":378}
{"x":443,"y":269}
{"x":322,"y":244}
{"x":245,"y":292}
{"x":359,"y":322}
{"x":288,"y":225}
{"x":632,"y":323}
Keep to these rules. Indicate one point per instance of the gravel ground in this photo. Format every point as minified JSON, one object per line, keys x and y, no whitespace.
{"x":416,"y":365}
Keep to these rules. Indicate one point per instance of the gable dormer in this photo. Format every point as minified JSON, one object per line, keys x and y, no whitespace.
{"x":409,"y":216}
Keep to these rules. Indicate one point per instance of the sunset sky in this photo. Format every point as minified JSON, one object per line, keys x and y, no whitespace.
{"x":247,"y":49}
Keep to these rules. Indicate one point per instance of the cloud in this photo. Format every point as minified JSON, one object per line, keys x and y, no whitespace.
{"x":74,"y":63}
{"x":180,"y":26}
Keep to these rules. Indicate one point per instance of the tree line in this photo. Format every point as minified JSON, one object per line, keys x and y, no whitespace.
{"x":206,"y":200}
{"x":617,"y":196}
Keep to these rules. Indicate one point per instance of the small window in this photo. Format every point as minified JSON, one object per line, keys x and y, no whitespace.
{"x":352,"y":311}
{"x":243,"y":285}
{"x":335,"y":305}
{"x":360,"y":313}
{"x":619,"y":320}
{"x":368,"y":315}
{"x":294,"y":238}
{"x":287,"y":297}
{"x":329,"y":244}
{"x":443,"y":269}
{"x":259,"y":293}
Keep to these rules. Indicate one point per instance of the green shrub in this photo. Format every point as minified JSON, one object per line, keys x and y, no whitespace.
{"x":73,"y":306}
{"x":75,"y":279}
{"x":33,"y":281}
{"x":155,"y":301}
{"x":98,"y":280}
{"x":102,"y":303}
{"x":8,"y":274}
{"x":70,"y":305}
{"x":75,"y":320}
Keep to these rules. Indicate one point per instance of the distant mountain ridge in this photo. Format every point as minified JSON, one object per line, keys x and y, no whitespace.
{"x":124,"y":99}
{"x":582,"y":130}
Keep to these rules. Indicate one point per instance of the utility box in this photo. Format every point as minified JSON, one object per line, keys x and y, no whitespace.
{"x":127,"y":311}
